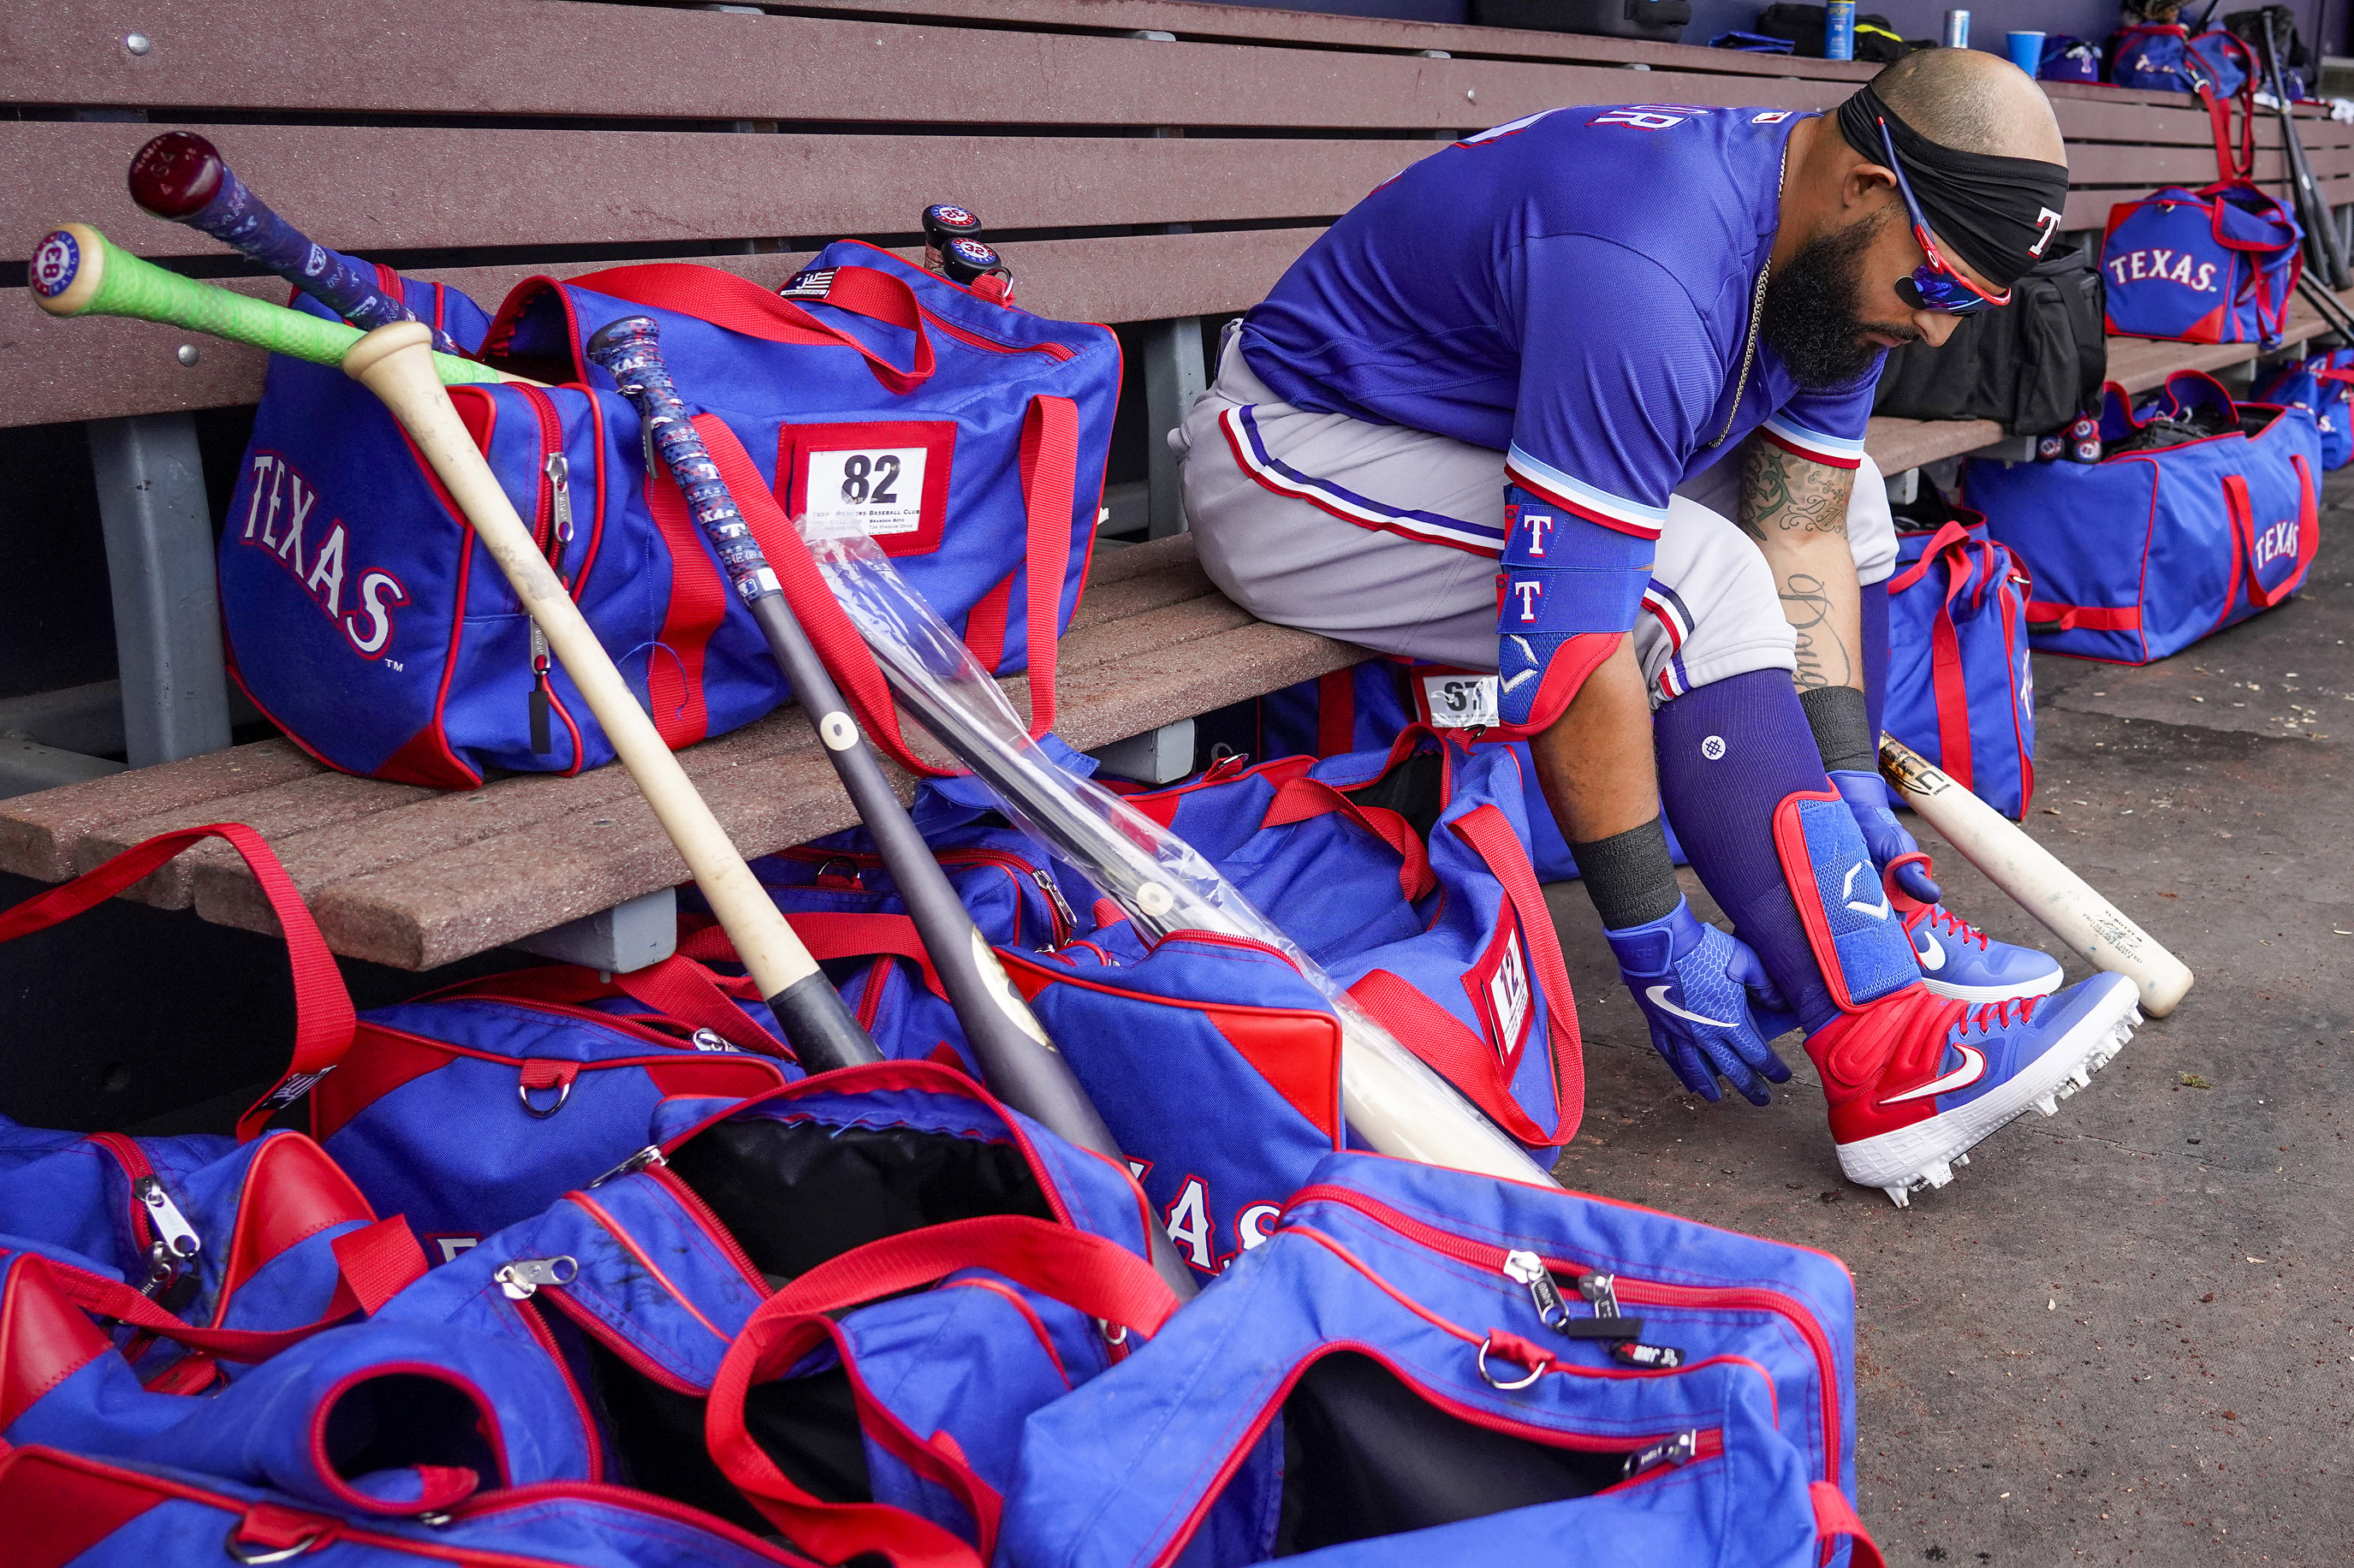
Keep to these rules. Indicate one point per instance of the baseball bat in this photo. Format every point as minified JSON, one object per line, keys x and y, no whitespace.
{"x":1020,"y":1063}
{"x":2320,"y":229}
{"x":2035,"y":880}
{"x":182,"y":177}
{"x":77,"y":271}
{"x":395,"y":362}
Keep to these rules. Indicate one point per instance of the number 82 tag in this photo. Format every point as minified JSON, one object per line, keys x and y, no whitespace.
{"x":876,"y":491}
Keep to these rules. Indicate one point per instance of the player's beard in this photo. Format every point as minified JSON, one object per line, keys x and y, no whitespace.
{"x":1813,"y":318}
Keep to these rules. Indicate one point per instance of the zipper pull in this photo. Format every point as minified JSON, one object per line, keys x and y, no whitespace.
{"x":177,"y":1240}
{"x":1602,"y":1289}
{"x":560,"y":483}
{"x":524,"y":1275}
{"x":704,"y":1040}
{"x":1527,"y":1269}
{"x":644,"y":1159}
{"x":1064,"y":914}
{"x":1678,"y":1449}
{"x":543,"y":737}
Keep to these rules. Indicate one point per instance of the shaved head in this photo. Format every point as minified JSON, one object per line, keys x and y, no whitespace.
{"x":1972,"y":101}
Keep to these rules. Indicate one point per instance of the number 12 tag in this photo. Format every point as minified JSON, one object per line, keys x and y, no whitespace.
{"x":875,"y":492}
{"x":1460,"y":702}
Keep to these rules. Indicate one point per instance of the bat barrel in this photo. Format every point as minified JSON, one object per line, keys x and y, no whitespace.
{"x":2037,"y":879}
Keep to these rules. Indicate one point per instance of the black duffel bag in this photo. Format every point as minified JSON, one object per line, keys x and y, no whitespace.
{"x":2032,"y":367}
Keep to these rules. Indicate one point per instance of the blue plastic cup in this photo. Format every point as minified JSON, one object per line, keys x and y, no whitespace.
{"x":2027,"y":51}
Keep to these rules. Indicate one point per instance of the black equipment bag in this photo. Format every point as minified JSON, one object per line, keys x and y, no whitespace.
{"x":1661,"y":21}
{"x":2032,"y":368}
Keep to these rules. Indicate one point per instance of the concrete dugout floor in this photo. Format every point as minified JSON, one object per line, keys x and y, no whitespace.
{"x":2124,"y":1333}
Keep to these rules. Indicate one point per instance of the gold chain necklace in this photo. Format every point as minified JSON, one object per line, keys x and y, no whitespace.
{"x":1756,"y":310}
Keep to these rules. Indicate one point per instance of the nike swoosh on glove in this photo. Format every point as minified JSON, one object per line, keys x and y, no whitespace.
{"x":1694,"y":984}
{"x":1867,"y":798}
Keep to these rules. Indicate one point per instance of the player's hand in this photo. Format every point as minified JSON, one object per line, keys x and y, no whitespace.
{"x":1695,"y":985}
{"x":1867,"y":797}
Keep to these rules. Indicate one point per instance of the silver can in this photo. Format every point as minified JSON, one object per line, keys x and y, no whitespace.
{"x":1958,"y":29}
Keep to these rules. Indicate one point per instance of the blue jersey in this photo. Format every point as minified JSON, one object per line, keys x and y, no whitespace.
{"x":1573,"y":289}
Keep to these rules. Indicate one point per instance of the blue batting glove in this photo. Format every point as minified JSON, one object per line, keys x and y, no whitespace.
{"x":1695,"y":985}
{"x":1866,"y":797}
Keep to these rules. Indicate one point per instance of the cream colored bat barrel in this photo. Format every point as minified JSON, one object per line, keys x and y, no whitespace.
{"x":2035,"y":880}
{"x":395,"y":362}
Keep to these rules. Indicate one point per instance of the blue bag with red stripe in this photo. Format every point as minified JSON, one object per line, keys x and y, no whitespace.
{"x":1423,"y":1366}
{"x":748,"y":1275}
{"x":2323,"y":386}
{"x":2213,"y":265}
{"x":68,"y":1510}
{"x":1960,"y":691}
{"x":2157,"y":545}
{"x":364,"y":620}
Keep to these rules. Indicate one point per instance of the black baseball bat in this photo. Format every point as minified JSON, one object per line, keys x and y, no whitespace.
{"x":2327,"y":251}
{"x":1020,"y":1064}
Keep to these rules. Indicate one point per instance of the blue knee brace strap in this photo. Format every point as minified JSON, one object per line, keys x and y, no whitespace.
{"x":1858,"y":941}
{"x":1569,"y":589}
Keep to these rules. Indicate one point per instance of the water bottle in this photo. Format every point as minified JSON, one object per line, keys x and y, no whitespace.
{"x":1838,"y":31}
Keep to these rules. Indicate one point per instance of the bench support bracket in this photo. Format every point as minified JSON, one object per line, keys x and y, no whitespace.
{"x":630,"y":936}
{"x":1173,"y":377}
{"x":159,"y":564}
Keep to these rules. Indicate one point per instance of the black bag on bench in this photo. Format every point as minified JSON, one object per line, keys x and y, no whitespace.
{"x":2031,"y":368}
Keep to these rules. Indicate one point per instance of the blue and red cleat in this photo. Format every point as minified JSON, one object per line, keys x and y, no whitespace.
{"x":1915,"y":1081}
{"x":1960,"y":963}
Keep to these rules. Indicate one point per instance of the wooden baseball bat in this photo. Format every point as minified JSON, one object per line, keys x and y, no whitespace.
{"x":77,"y":271}
{"x":2035,"y":880}
{"x":396,"y":363}
{"x":182,"y":177}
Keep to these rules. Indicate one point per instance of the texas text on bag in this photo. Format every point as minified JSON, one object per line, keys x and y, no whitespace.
{"x":362,"y":616}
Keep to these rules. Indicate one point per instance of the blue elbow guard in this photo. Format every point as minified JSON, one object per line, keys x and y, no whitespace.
{"x":1569,"y":589}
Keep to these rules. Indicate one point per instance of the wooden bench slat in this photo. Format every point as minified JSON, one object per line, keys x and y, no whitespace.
{"x":39,"y":834}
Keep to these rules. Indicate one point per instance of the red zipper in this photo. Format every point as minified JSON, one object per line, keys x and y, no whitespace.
{"x":135,"y":1166}
{"x":1059,"y":913}
{"x":870,"y":1001}
{"x":1651,"y":1292}
{"x":692,"y":1203}
{"x":966,"y":336}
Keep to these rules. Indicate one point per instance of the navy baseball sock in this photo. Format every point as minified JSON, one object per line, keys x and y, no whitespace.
{"x":1730,"y":752}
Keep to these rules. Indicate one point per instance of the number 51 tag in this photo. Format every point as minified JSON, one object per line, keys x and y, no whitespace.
{"x":875,"y":492}
{"x":1460,"y":702}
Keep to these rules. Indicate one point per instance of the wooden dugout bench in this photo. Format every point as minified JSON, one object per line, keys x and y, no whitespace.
{"x":1151,"y":162}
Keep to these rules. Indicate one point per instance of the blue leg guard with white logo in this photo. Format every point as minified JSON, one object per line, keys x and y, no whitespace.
{"x":1570,"y":589}
{"x":1693,"y":985}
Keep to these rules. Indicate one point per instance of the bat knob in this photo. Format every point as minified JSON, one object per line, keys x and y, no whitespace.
{"x":67,"y":267}
{"x":175,"y":174}
{"x":962,"y":260}
{"x":944,"y":221}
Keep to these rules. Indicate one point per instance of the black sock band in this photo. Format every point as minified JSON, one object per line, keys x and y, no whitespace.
{"x":1841,"y":719}
{"x":1630,"y":876}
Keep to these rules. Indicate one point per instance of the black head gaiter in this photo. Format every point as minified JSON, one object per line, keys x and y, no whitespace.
{"x":1998,"y":213}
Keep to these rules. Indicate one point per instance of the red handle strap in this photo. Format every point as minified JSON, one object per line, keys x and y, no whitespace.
{"x":829,"y":935}
{"x":1835,"y":1517}
{"x":1946,"y":539}
{"x":2236,"y":502}
{"x":323,"y":1007}
{"x":372,"y":1263}
{"x":1302,"y":797}
{"x":678,"y":987}
{"x":1089,"y":1272}
{"x":2047,"y":615}
{"x":1049,"y":477}
{"x":738,"y":304}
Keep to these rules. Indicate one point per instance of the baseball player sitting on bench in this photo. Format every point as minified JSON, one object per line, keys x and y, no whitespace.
{"x":1628,"y":354}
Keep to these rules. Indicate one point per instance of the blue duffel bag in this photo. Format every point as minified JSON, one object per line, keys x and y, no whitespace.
{"x":1422,"y":1366}
{"x":1960,"y":689}
{"x":2155,"y":547}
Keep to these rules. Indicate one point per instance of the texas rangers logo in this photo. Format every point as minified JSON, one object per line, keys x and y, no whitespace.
{"x":2275,"y":542}
{"x":2163,"y":266}
{"x":974,"y":253}
{"x":1529,"y":590}
{"x":2049,"y":221}
{"x":1537,"y":523}
{"x":276,"y":518}
{"x":956,"y":218}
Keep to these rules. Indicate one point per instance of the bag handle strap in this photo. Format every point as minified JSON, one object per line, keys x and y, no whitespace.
{"x":828,"y":935}
{"x":2244,"y":539}
{"x":1836,"y":1517}
{"x":323,"y":1019}
{"x":1947,"y":538}
{"x":1089,"y":1272}
{"x":738,"y":304}
{"x":372,"y":1263}
{"x":1049,"y":470}
{"x":677,"y":987}
{"x":1301,"y":798}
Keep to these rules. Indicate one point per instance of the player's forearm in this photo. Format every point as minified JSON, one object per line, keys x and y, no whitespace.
{"x":1797,"y":512}
{"x":1595,"y":761}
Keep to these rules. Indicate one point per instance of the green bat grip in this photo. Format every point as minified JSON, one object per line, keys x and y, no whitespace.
{"x":76,"y":270}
